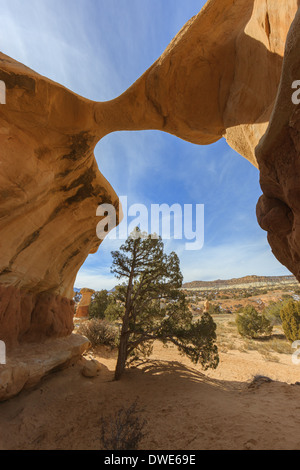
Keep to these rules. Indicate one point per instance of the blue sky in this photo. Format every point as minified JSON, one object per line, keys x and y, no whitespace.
{"x":98,"y":48}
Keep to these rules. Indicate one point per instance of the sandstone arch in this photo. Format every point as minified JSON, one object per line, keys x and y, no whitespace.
{"x":218,"y":78}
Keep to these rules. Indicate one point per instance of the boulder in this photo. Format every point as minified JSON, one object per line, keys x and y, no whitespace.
{"x":91,"y":368}
{"x":28,"y":364}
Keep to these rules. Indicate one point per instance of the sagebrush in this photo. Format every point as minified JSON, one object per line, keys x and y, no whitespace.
{"x":124,"y":430}
{"x":251,"y":324}
{"x":100,"y":332}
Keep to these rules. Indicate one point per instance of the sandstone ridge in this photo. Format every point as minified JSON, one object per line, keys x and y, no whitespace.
{"x":242,"y":283}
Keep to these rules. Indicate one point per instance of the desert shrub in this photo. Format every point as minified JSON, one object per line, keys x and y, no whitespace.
{"x":290,"y":316}
{"x":287,"y":297}
{"x":280,"y":346}
{"x":246,"y":295}
{"x":239,"y":308}
{"x":124,"y":430}
{"x":100,"y":332}
{"x":259,"y":380}
{"x":251,"y":324}
{"x":214,"y":309}
{"x":272,"y":312}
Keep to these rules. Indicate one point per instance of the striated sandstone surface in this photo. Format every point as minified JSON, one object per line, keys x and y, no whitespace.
{"x":217,"y":78}
{"x":50,"y":188}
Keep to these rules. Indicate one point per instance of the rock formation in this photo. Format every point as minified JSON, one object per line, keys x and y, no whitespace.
{"x":82,"y":310}
{"x":29,"y":363}
{"x":245,"y":282}
{"x":278,"y":154}
{"x":218,"y":78}
{"x":206,"y":306}
{"x":50,"y":190}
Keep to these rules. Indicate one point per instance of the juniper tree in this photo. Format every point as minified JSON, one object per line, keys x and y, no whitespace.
{"x":290,"y":316}
{"x":99,"y":304}
{"x":154,"y":305}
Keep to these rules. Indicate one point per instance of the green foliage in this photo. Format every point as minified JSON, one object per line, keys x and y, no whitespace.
{"x":251,"y":324}
{"x":107,"y":305}
{"x":197,"y":341}
{"x":290,"y":316}
{"x":140,"y":353}
{"x":99,"y":303}
{"x":100,"y":332}
{"x":287,"y":297}
{"x":114,"y":311}
{"x":272,"y":312}
{"x":245,"y":295}
{"x":154,"y":307}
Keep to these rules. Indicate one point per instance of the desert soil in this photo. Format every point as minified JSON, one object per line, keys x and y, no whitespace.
{"x":185,"y":408}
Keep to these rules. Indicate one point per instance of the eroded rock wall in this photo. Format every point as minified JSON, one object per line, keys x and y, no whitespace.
{"x":278,"y":154}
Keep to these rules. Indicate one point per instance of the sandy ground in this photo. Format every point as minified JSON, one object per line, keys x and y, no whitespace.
{"x":185,"y":408}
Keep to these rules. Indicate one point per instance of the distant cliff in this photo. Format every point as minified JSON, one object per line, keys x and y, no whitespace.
{"x":242,"y":282}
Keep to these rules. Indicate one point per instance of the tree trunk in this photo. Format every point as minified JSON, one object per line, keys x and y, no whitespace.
{"x":122,"y":356}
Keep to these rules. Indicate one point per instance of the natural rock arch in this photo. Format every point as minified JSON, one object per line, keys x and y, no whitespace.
{"x":219,"y":77}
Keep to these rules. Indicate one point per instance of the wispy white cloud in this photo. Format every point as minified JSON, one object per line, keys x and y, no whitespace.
{"x":96,"y":279}
{"x":210,"y":263}
{"x":230,"y":261}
